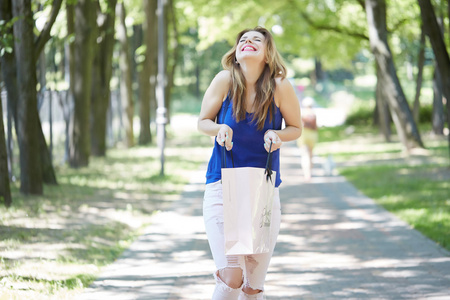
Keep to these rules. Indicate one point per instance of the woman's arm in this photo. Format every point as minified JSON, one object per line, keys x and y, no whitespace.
{"x":286,"y":100}
{"x":211,"y":104}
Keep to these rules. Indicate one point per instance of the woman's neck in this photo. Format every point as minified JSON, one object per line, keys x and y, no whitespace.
{"x":251,"y":73}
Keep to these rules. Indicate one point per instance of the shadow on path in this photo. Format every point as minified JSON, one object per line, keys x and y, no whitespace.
{"x":334,"y":243}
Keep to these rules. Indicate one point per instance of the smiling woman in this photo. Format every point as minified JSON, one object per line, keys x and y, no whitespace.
{"x":248,"y":100}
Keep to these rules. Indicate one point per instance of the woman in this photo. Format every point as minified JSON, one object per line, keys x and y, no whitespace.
{"x":244,"y":97}
{"x":309,"y":137}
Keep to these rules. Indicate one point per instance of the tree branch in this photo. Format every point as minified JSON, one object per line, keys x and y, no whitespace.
{"x":397,"y":25}
{"x":44,"y":36}
{"x":332,"y":28}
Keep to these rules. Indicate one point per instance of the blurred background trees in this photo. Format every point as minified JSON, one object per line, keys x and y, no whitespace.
{"x":79,"y":76}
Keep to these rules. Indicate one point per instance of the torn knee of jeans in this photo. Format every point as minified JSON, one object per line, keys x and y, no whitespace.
{"x":225,"y":286}
{"x":251,"y":293}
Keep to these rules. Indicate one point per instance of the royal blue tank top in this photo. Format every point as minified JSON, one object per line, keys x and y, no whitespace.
{"x":248,"y":144}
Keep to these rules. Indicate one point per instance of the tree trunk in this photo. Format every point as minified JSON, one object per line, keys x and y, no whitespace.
{"x":318,"y":70}
{"x":95,"y":115}
{"x":126,"y":91}
{"x":83,"y":59}
{"x":5,"y":192}
{"x":148,"y":72}
{"x":10,"y":78}
{"x":438,"y":115}
{"x":434,"y":33}
{"x":9,"y":72}
{"x":101,"y":92}
{"x":384,"y":117}
{"x":66,"y":103}
{"x":8,"y":62}
{"x":173,"y":61}
{"x":48,"y":171}
{"x":420,"y":64}
{"x":145,"y":136}
{"x":27,"y":116}
{"x":400,"y":111}
{"x":136,"y":42}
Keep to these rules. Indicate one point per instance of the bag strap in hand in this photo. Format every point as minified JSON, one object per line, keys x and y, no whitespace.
{"x":224,"y":154}
{"x":269,"y":157}
{"x":268,"y":170}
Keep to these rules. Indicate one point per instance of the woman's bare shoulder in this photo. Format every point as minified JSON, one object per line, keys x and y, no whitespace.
{"x":220,"y":85}
{"x":283,"y":89}
{"x":223,"y":76}
{"x":282,"y":82}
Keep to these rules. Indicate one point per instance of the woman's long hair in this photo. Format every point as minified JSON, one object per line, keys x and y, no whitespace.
{"x":265,"y":85}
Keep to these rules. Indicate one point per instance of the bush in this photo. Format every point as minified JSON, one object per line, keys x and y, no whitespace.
{"x":362,"y":114}
{"x":425,"y":114}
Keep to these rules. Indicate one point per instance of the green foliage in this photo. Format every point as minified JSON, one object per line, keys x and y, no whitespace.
{"x":196,"y":69}
{"x":6,"y":36}
{"x":425,"y":114}
{"x":185,"y":103}
{"x":307,"y":28}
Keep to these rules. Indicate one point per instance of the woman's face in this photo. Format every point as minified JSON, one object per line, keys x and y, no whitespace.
{"x":252,"y":45}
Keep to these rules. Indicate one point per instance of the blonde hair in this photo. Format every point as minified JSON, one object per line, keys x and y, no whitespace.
{"x":265,"y":85}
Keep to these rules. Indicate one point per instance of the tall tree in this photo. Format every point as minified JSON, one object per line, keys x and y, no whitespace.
{"x":434,"y":33}
{"x":395,"y":97}
{"x":9,"y":71}
{"x":172,"y":52}
{"x":126,"y":91}
{"x":148,"y":71}
{"x":384,"y":117}
{"x":438,"y":114}
{"x":84,"y":29}
{"x":5,"y":192}
{"x":30,"y":164}
{"x":48,"y":171}
{"x":419,"y":79}
{"x":102,"y":72}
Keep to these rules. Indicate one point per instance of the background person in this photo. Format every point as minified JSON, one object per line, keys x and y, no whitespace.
{"x":310,"y":136}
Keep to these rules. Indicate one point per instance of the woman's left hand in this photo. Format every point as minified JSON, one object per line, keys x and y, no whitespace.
{"x":271,"y":136}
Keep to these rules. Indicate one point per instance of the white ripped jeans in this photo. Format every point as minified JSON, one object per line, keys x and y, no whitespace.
{"x":254,"y":266}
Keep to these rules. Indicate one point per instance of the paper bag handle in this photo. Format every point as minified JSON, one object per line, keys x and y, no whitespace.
{"x":268,"y":169}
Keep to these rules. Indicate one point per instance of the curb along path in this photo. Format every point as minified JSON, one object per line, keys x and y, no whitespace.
{"x":334,"y":243}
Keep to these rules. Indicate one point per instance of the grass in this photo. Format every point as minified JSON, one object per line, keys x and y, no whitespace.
{"x":53,"y":246}
{"x":415,"y":187}
{"x":420,"y":195}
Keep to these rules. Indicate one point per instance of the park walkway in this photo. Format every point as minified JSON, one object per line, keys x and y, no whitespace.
{"x":334,"y":243}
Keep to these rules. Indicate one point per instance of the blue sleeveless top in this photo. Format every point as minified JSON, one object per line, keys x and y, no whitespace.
{"x":248,"y":144}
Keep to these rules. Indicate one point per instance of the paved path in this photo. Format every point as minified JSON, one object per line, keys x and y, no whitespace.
{"x":334,"y":243}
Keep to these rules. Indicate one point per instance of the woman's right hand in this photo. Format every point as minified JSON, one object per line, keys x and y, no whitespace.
{"x":225,"y":137}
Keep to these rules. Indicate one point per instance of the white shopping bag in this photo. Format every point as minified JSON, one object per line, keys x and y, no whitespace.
{"x":247,"y":204}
